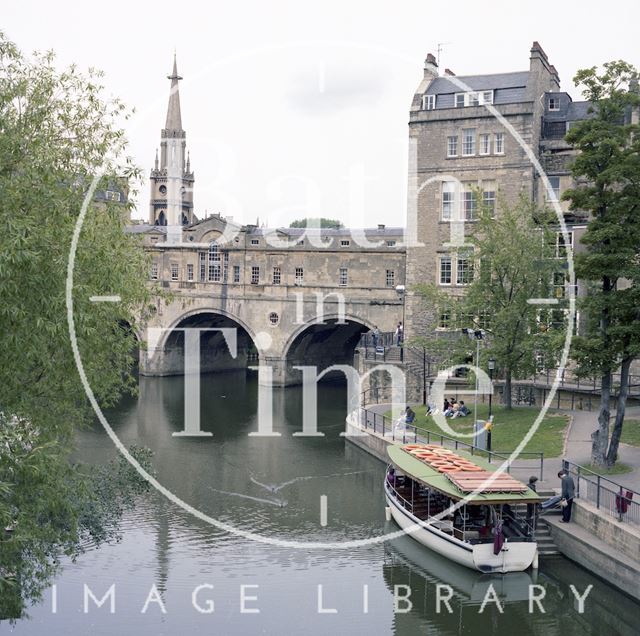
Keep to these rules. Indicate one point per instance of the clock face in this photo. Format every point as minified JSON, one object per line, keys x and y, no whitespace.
{"x":315,"y":93}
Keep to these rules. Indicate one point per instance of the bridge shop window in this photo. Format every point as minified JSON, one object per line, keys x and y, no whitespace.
{"x":236,"y":273}
{"x":190,"y":272}
{"x":255,"y":274}
{"x":175,"y":271}
{"x":203,"y":266}
{"x":277,"y":275}
{"x":299,"y":279}
{"x":391,"y":278}
{"x":344,"y":277}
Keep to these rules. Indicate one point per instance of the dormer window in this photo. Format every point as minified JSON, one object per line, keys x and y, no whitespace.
{"x":473,"y":99}
{"x":554,"y":103}
{"x":428,"y":102}
{"x":487,"y":97}
{"x":255,"y":241}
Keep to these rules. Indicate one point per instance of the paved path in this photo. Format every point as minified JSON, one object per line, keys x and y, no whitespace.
{"x":578,"y":449}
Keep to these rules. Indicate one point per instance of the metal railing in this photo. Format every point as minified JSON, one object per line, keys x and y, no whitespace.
{"x":607,"y":495}
{"x":384,"y":425}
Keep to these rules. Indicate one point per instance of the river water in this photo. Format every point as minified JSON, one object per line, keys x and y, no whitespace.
{"x":273,"y":487}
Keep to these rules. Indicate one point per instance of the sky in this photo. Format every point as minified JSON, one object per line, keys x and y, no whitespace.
{"x":289,"y":106}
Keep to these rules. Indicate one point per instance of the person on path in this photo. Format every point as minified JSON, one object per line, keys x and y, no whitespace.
{"x":568,"y":493}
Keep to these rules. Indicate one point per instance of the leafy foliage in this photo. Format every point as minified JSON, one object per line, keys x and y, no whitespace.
{"x":322,"y":222}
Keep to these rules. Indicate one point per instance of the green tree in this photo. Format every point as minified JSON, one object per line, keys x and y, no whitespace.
{"x":55,"y":131}
{"x":607,"y":174}
{"x":513,"y":260}
{"x":322,"y":222}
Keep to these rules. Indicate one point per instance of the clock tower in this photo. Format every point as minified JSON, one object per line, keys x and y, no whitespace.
{"x":171,"y":178}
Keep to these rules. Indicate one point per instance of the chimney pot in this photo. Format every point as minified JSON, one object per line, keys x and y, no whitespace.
{"x":381,"y":226}
{"x":431,"y":59}
{"x":448,"y":71}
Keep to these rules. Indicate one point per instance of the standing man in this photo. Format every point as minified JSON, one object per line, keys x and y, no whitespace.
{"x":374,"y":336}
{"x":399,"y":334}
{"x":567,"y":494}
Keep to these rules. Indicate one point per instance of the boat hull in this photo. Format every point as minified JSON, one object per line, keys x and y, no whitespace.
{"x":514,"y":557}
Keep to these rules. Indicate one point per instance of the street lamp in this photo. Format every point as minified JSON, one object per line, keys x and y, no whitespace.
{"x":401,"y":291}
{"x":491,"y":365}
{"x":477,"y":335}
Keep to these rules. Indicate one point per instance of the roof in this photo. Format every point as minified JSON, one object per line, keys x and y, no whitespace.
{"x":420,"y":471}
{"x":141,"y":228}
{"x":345,"y":231}
{"x":174,"y":118}
{"x":495,"y":81}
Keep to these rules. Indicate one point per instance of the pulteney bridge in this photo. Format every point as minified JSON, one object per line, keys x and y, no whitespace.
{"x":294,"y":298}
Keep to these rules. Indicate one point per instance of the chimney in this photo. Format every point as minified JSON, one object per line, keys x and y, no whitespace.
{"x":554,"y":74}
{"x":536,"y":49}
{"x":448,"y":71}
{"x":430,"y":67}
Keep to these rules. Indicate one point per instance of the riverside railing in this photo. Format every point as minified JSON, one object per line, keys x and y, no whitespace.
{"x":607,"y":495}
{"x":384,"y":425}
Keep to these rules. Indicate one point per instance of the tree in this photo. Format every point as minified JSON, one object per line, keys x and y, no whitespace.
{"x":55,"y":132}
{"x":513,"y":260}
{"x":322,"y":222}
{"x":607,"y":175}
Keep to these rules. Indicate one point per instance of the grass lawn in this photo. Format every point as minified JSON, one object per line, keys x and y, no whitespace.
{"x":616,"y":469}
{"x":631,"y":432}
{"x":509,"y":428}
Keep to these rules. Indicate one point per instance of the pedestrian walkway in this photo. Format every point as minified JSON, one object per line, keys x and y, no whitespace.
{"x":578,"y":449}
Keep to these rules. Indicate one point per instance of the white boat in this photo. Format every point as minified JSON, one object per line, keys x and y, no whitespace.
{"x":458,"y":506}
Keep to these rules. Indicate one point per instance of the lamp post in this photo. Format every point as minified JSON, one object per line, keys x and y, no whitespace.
{"x":491,"y":365}
{"x":401,"y":291}
{"x":477,"y":335}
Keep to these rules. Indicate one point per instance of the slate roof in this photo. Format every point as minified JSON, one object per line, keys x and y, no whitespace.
{"x":495,"y":81}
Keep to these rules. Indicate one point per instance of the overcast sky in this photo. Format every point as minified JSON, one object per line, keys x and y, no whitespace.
{"x":287,"y":103}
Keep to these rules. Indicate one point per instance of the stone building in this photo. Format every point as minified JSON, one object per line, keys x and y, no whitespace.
{"x":461,"y":147}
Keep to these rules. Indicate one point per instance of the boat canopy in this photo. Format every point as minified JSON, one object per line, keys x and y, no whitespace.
{"x":459,"y":474}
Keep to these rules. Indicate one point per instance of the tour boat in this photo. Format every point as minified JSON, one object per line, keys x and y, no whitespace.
{"x":459,"y":506}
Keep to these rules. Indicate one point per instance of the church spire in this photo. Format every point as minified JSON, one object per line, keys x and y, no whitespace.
{"x":174,"y":118}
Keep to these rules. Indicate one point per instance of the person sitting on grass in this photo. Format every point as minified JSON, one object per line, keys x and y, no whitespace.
{"x":409,"y":415}
{"x":462,"y":411}
{"x":453,"y":409}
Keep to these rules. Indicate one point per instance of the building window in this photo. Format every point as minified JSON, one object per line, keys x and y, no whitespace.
{"x":452,"y":146}
{"x":559,"y":279}
{"x":468,"y":99}
{"x":489,"y":197}
{"x":464,"y":271}
{"x":469,"y":205}
{"x":299,"y":276}
{"x":562,"y":246}
{"x":190,"y":272}
{"x":485,"y":144}
{"x":448,"y":200}
{"x":345,"y":243}
{"x":553,"y":194}
{"x":112,"y":195}
{"x":487,"y":97}
{"x":255,"y":274}
{"x":428,"y":102}
{"x":214,"y":253}
{"x":444,"y":319}
{"x":468,"y":142}
{"x":274,"y":319}
{"x":391,"y":278}
{"x":203,"y":266}
{"x":459,"y":100}
{"x":554,"y":103}
{"x":154,"y":270}
{"x":390,"y":243}
{"x":255,"y":241}
{"x":277,"y":275}
{"x":236,"y":273}
{"x":344,"y":277}
{"x":174,"y":271}
{"x":498,"y":144}
{"x":445,"y":270}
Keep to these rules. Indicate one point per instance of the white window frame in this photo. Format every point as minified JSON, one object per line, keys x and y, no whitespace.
{"x":553,"y":193}
{"x":460,"y":271}
{"x":452,"y":145}
{"x":190,"y":272}
{"x":485,"y":99}
{"x":428,"y":102}
{"x":465,"y":138}
{"x":277,"y":275}
{"x":489,"y":200}
{"x":469,"y":205}
{"x":236,"y":273}
{"x":299,"y":276}
{"x":175,"y":271}
{"x":448,"y":258}
{"x":343,"y":278}
{"x":154,"y":270}
{"x":448,"y":195}
{"x":561,"y":247}
{"x":554,"y":104}
{"x":456,"y":100}
{"x":498,"y":143}
{"x":484,"y":144}
{"x":255,"y":274}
